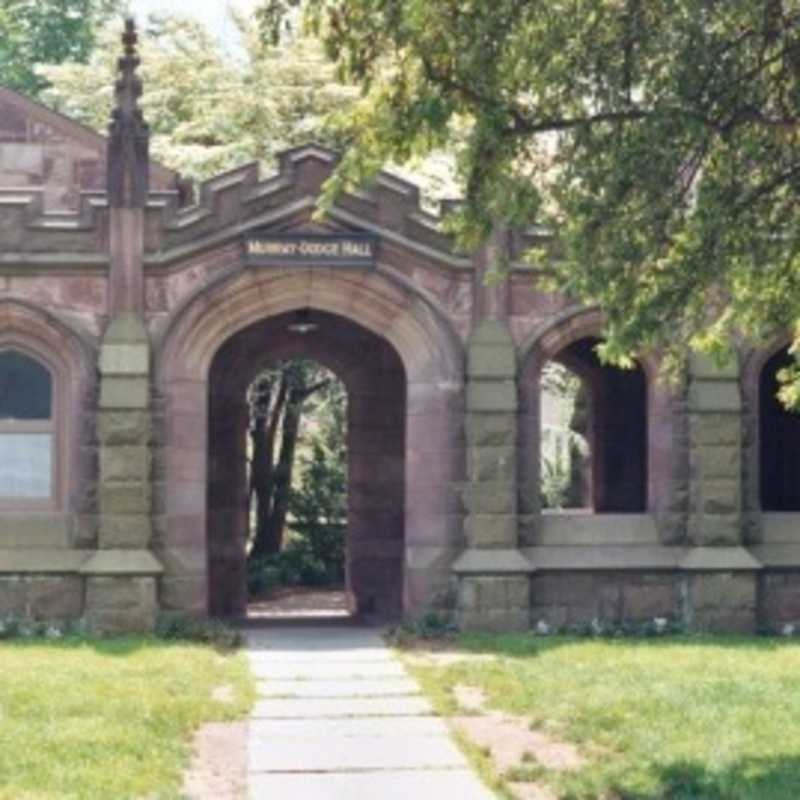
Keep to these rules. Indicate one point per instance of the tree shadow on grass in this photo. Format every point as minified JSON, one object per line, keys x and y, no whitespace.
{"x":776,"y":778}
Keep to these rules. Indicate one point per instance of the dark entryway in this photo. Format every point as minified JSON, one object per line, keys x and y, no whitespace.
{"x":374,"y":378}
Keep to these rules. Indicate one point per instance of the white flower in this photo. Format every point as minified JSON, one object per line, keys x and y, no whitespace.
{"x":660,"y":624}
{"x":542,"y":628}
{"x":788,"y":629}
{"x":53,"y":632}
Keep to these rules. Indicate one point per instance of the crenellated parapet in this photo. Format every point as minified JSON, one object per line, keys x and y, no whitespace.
{"x":239,"y":200}
{"x":29,"y":233}
{"x":228,"y":205}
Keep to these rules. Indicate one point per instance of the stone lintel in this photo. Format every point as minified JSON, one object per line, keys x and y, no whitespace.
{"x":714,"y":396}
{"x":703,"y":366}
{"x":492,"y":396}
{"x":125,"y":358}
{"x":493,"y":332}
{"x":124,"y":392}
{"x":127,"y":328}
{"x":492,"y":562}
{"x":122,"y":562}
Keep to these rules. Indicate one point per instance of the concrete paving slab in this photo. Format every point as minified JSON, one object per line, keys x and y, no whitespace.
{"x":358,"y":687}
{"x":288,"y":670}
{"x":321,"y":754}
{"x":360,"y":654}
{"x":385,"y":785}
{"x":341,"y":707}
{"x":340,"y":719}
{"x":340,"y":727}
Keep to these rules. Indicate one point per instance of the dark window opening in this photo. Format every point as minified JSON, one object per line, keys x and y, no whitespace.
{"x":594,"y":433}
{"x":779,"y":435}
{"x":26,"y":390}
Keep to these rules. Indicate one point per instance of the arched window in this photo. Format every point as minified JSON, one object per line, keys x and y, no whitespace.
{"x":26,"y":430}
{"x":599,"y":413}
{"x":779,"y":436}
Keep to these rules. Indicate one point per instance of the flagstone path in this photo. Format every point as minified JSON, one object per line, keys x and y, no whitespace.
{"x":338,"y":718}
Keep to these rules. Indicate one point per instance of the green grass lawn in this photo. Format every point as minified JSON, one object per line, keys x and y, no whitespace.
{"x":713,"y":718}
{"x":108,"y":719}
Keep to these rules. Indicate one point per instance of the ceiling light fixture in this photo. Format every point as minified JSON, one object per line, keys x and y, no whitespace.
{"x":301,"y":322}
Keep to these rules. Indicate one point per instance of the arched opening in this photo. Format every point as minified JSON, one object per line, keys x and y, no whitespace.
{"x":593,"y":432}
{"x":779,"y":441}
{"x":375,"y":383}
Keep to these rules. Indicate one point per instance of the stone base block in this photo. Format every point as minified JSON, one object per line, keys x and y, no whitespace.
{"x":123,"y":604}
{"x":491,"y":530}
{"x":563,"y":599}
{"x":723,"y":602}
{"x":494,"y":602}
{"x":779,"y":600}
{"x":41,"y":597}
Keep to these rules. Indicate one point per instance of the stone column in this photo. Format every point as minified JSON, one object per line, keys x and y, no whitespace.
{"x":121,"y":576}
{"x":493,"y":575}
{"x":720,"y":575}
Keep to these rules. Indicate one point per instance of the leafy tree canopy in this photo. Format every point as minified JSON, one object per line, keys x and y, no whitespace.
{"x":658,"y":139}
{"x":34,"y":32}
{"x":209,"y":110}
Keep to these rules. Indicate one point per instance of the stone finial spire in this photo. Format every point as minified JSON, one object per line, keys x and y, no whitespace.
{"x":129,"y":135}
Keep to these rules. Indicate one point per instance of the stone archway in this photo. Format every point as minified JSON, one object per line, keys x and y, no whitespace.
{"x":386,"y":311}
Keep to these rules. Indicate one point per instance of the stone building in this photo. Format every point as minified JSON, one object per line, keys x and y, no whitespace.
{"x":131,"y":326}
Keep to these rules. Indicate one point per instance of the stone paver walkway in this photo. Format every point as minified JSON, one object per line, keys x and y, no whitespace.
{"x":338,"y":718}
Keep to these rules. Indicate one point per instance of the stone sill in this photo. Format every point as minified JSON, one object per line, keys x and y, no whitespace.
{"x":81,"y":562}
{"x":578,"y":527}
{"x":42,"y":561}
{"x":653,"y":557}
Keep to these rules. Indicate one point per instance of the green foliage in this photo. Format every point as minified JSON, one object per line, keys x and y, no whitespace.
{"x":92,"y":718}
{"x":183,"y":628}
{"x":318,"y":505}
{"x":313,"y":552}
{"x":555,"y":481}
{"x":35,"y":32}
{"x":431,"y":626}
{"x":659,"y":141}
{"x":209,"y":112}
{"x":702,"y":717}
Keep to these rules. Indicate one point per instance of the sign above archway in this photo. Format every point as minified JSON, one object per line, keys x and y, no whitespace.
{"x":268,"y":249}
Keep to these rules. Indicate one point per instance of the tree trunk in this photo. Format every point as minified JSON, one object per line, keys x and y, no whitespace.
{"x":272,"y":483}
{"x":282,"y":480}
{"x":262,"y":475}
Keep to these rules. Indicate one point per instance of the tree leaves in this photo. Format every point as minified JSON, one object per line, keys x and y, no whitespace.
{"x":658,"y":140}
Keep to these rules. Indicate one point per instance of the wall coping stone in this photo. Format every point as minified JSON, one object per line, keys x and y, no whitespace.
{"x":122,"y":562}
{"x":702,"y":559}
{"x":637,"y":557}
{"x":780,"y":527}
{"x":492,"y":561}
{"x":51,"y":561}
{"x":777,"y":554}
{"x":564,"y":528}
{"x":604,"y":557}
